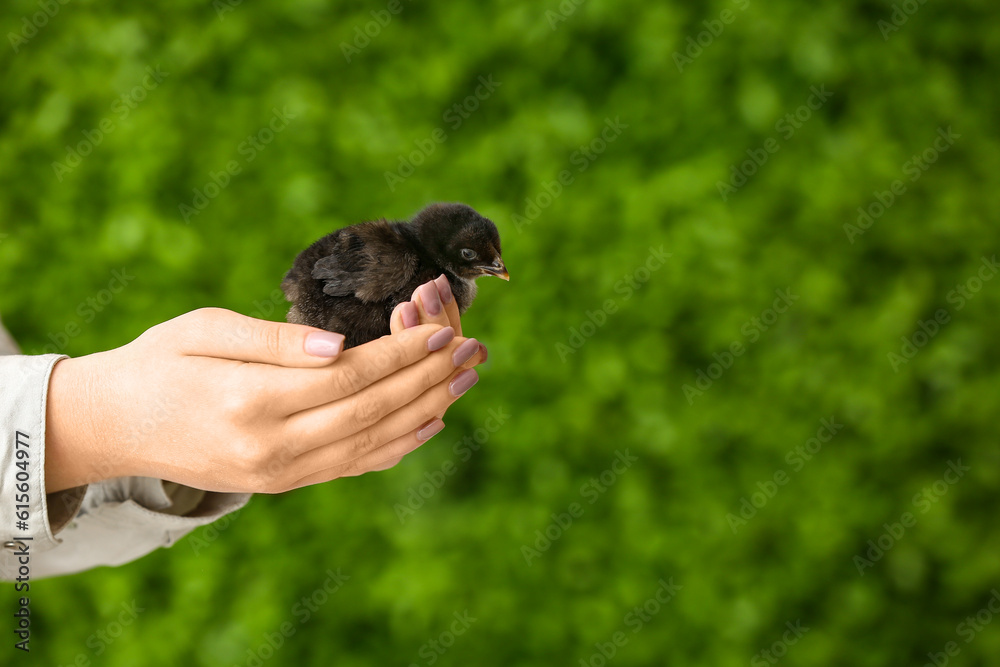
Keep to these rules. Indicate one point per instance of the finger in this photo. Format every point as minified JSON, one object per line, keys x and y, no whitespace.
{"x":297,"y":390}
{"x":341,"y":419}
{"x":223,"y":334}
{"x":423,"y":434}
{"x":476,"y":357}
{"x":357,"y":449}
{"x":428,"y":302}
{"x":449,"y":303}
{"x":404,"y":316}
{"x":394,"y":448}
{"x":386,"y":465}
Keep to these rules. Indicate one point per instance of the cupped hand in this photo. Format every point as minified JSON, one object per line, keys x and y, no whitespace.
{"x":432,"y":303}
{"x":223,"y":402}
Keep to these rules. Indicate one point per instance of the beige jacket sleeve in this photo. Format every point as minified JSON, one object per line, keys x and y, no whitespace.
{"x":107,"y":523}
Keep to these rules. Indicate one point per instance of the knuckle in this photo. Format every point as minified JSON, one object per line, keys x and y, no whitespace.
{"x":199,"y":317}
{"x":397,"y":356}
{"x":390,"y":355}
{"x":430,"y":375}
{"x":368,"y":411}
{"x":270,"y":339}
{"x":263,"y":466}
{"x":238,"y":405}
{"x":353,"y":469}
{"x":156,"y":334}
{"x":362,"y":443}
{"x":205,"y":312}
{"x":271,"y":484}
{"x":250,"y":456}
{"x":348,"y":379}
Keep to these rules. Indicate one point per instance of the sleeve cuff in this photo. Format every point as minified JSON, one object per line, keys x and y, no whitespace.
{"x":24,"y":511}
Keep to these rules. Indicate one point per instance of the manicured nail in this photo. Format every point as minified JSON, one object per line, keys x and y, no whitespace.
{"x":324,"y":344}
{"x":444,"y":289}
{"x":411,"y":317}
{"x":430,"y":430}
{"x":486,"y":353}
{"x":432,"y":300}
{"x":463,"y":382}
{"x":465,"y":352}
{"x":440,"y":339}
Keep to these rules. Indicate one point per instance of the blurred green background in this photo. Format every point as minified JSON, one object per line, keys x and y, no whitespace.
{"x":702,"y":94}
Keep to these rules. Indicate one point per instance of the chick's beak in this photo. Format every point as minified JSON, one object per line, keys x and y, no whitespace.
{"x":497,"y":269}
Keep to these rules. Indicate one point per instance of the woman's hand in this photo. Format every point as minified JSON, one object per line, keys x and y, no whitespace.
{"x":222,"y":402}
{"x":428,"y":305}
{"x":433,"y":303}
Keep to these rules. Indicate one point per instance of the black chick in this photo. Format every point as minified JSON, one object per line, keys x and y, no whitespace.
{"x":350,"y":281}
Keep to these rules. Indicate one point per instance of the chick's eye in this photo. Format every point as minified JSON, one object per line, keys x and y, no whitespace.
{"x":468,"y":254}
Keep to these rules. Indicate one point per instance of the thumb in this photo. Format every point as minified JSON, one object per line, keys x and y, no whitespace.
{"x":223,"y":334}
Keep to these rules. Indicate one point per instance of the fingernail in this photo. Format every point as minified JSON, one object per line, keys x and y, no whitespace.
{"x":440,"y":339}
{"x":444,"y":289}
{"x":431,"y":298}
{"x":486,"y":353}
{"x":463,"y":382}
{"x":324,"y":344}
{"x":411,"y":317}
{"x":465,"y":352}
{"x":430,"y":430}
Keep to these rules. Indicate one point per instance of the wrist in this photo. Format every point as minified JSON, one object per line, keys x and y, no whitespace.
{"x":73,"y":444}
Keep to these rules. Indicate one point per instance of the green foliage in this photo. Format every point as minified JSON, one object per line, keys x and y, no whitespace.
{"x":570,"y":410}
